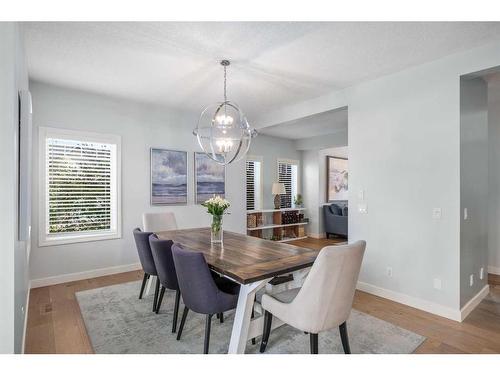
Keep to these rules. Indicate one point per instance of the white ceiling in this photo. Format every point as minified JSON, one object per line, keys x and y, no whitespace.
{"x":273,"y":64}
{"x":311,"y":126}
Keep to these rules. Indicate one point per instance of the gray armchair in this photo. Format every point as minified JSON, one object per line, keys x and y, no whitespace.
{"x":335,"y":219}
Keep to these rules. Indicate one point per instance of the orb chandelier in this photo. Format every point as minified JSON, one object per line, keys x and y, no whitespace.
{"x":223,"y":131}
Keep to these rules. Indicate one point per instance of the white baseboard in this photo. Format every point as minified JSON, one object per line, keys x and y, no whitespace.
{"x":26,"y":308}
{"x":474,"y":301}
{"x":494,"y":270}
{"x":317,"y":235}
{"x":428,"y":306}
{"x":52,"y":280}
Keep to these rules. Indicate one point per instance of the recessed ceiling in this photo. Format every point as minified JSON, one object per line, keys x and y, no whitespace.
{"x":273,"y":64}
{"x":311,"y":126}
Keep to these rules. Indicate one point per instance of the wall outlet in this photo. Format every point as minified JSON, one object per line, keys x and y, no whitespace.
{"x":22,"y":310}
{"x":466,"y":213}
{"x":437,"y":284}
{"x":436,"y":213}
{"x":389,"y":271}
{"x":481,"y":273}
{"x":362,"y":208}
{"x":471,"y":280}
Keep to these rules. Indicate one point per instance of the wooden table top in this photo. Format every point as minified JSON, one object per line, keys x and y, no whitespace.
{"x":243,"y":258}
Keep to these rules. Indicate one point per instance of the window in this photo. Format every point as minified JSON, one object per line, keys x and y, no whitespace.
{"x":254,"y":183}
{"x":80,"y":190}
{"x":288,"y":174}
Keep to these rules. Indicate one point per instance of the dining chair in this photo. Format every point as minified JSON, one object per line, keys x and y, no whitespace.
{"x":325,"y":299}
{"x":202,"y":293}
{"x":158,"y":221}
{"x":147,"y":261}
{"x":165,"y":267}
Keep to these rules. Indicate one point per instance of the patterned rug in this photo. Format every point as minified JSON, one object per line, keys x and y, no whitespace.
{"x":118,"y":322}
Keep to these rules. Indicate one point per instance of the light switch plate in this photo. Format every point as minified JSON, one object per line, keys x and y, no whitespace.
{"x":436,"y":213}
{"x":466,"y":213}
{"x":361,"y":195}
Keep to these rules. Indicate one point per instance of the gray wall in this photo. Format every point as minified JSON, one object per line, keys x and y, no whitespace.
{"x":13,"y":253}
{"x":473,"y":185}
{"x":271,"y":149}
{"x":494,"y":177}
{"x":141,"y":127}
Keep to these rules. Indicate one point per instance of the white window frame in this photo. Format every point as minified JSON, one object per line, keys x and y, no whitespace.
{"x":292,"y":162}
{"x":46,"y":239}
{"x":260,"y":160}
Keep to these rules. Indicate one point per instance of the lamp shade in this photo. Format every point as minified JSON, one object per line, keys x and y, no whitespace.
{"x":278,"y":188}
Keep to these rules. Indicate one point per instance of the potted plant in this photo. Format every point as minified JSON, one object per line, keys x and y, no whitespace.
{"x":297,"y":201}
{"x":216,"y":206}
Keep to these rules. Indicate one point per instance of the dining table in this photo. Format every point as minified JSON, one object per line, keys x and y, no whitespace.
{"x":249,"y":261}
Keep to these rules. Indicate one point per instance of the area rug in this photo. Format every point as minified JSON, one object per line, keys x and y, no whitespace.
{"x":118,"y":322}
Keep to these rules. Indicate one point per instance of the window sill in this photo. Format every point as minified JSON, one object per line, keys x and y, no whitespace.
{"x":77,"y":238}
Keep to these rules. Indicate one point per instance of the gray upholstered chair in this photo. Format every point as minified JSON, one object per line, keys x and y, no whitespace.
{"x":147,"y":261}
{"x":200,"y":291}
{"x":324,"y":301}
{"x":165,"y":268}
{"x":158,"y":221}
{"x":335,"y":219}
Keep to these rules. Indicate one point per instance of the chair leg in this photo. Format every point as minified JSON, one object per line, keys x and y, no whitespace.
{"x":157,"y":289}
{"x":176,"y":310}
{"x":183,"y":320}
{"x":252,"y":316}
{"x":160,"y":299}
{"x":221,"y":317}
{"x":208,"y":323}
{"x":144,"y":281}
{"x":268,"y":319}
{"x":313,"y":339}
{"x":345,"y":338}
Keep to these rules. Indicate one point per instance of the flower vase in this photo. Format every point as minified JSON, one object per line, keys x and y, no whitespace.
{"x":216,"y":232}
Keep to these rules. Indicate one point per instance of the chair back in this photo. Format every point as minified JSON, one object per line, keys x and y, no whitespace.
{"x":325,"y":299}
{"x":158,"y":221}
{"x":165,"y":267}
{"x":198,"y":288}
{"x":144,"y":250}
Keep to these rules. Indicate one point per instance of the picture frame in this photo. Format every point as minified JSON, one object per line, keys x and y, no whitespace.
{"x":168,"y":177}
{"x":209,"y":178}
{"x":337,"y":179}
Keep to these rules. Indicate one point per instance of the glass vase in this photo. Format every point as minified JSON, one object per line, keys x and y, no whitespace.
{"x":216,"y":232}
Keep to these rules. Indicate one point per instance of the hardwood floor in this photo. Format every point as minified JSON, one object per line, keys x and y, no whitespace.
{"x":55,"y":324}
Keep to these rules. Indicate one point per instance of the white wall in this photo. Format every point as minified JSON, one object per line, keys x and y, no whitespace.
{"x":494,"y":177}
{"x":404,"y":147}
{"x":473,"y":185}
{"x":271,"y":149}
{"x":13,"y":253}
{"x":141,"y":127}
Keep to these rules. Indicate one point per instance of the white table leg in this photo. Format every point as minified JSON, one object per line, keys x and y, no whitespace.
{"x":239,"y":335}
{"x":151,"y":280}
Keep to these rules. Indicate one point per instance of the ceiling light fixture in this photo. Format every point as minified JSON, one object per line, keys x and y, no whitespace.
{"x":223,"y":131}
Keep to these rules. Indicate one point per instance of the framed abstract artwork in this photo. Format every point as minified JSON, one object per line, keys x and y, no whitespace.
{"x":209,"y":178}
{"x":337,"y":179}
{"x":168,"y":177}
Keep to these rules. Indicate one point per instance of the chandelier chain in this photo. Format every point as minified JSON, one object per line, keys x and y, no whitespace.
{"x":225,"y":90}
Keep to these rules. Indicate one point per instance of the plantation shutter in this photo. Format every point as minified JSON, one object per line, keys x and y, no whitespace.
{"x":250,"y":185}
{"x":285,"y":177}
{"x":80,"y":186}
